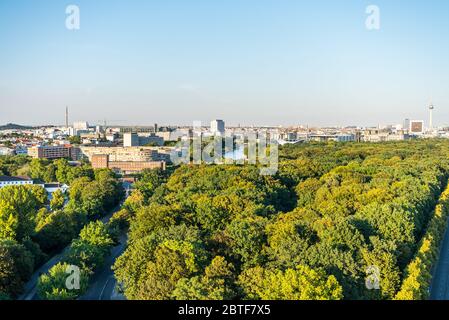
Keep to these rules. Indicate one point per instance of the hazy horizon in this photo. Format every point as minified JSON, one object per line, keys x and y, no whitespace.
{"x":254,"y":62}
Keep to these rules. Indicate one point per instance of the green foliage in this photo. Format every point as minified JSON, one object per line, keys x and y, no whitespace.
{"x":65,"y":173}
{"x":16,"y":266}
{"x":96,"y":197}
{"x":12,"y":165}
{"x":87,"y":253}
{"x":26,"y":223}
{"x":217,"y":283}
{"x":309,"y":232}
{"x":18,"y":208}
{"x":75,"y":140}
{"x":301,"y":283}
{"x":57,"y":229}
{"x":91,"y":248}
{"x":57,"y":201}
{"x":43,"y":170}
{"x":419,"y":272}
{"x":247,"y":237}
{"x":148,"y":181}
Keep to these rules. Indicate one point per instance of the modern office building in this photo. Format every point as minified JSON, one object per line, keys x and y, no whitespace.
{"x":101,"y":161}
{"x":217,"y":127}
{"x":406,"y":125}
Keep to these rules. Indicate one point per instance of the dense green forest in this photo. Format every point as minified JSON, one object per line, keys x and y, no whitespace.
{"x":332,"y":212}
{"x":33,"y":229}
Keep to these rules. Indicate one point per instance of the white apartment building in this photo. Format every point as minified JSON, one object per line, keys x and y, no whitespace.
{"x":6,"y":181}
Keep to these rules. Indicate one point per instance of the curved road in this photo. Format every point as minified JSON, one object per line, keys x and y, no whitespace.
{"x":103,"y":284}
{"x":30,"y":288}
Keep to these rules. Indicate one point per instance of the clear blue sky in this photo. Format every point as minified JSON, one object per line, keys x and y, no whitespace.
{"x":246,"y":61}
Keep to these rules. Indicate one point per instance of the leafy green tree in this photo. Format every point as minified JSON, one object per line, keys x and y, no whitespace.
{"x":42,"y":169}
{"x":217,"y":283}
{"x":247,"y":239}
{"x":148,"y":181}
{"x":96,"y":234}
{"x":301,"y":283}
{"x":92,"y":247}
{"x":16,"y":266}
{"x":57,"y":230}
{"x":85,"y":255}
{"x":18,"y":207}
{"x":173,"y":260}
{"x":130,"y":268}
{"x":57,"y":201}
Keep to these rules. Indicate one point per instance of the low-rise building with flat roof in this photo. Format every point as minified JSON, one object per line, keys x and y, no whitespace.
{"x":6,"y":181}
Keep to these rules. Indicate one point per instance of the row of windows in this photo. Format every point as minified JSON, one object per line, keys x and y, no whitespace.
{"x":15,"y":182}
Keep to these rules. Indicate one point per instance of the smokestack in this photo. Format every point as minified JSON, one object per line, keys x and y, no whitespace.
{"x":66,"y":117}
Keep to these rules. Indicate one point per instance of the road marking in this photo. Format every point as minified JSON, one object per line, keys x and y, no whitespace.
{"x":102,"y":291}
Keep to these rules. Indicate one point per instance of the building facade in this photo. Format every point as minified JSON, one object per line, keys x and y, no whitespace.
{"x":6,"y":181}
{"x":124,"y":154}
{"x":101,"y":161}
{"x":53,"y":152}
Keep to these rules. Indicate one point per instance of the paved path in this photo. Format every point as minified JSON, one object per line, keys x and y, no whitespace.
{"x":103,"y":285}
{"x":440,"y":283}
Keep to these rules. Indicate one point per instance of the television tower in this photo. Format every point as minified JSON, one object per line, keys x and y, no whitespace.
{"x":431,"y":108}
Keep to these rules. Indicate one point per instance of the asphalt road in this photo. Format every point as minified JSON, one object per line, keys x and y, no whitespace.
{"x":30,"y":288}
{"x":103,"y":284}
{"x":440,"y":283}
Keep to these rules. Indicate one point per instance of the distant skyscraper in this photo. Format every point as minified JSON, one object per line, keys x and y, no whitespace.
{"x":407,"y":124}
{"x":217,"y":126}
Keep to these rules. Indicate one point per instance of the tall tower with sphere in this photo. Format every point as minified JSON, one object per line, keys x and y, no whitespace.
{"x":431,"y":108}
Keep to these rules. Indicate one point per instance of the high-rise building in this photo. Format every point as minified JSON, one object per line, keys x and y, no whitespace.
{"x":217,"y":127}
{"x":130,"y":140}
{"x":406,"y":125}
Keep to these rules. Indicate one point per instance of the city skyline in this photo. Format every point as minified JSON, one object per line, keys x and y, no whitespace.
{"x":254,"y":63}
